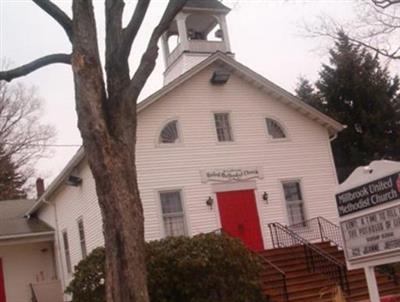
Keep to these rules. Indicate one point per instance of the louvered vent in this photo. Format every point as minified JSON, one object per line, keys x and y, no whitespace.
{"x":169,"y":134}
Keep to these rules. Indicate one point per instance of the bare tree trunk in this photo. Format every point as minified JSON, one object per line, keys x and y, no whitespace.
{"x":123,"y":227}
{"x":109,"y":141}
{"x":107,"y":122}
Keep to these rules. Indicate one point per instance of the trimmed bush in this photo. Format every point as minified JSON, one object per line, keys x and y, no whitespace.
{"x":89,"y":277}
{"x":204,"y":268}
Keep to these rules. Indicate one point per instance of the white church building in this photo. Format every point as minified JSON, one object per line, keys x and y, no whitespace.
{"x":218,"y":147}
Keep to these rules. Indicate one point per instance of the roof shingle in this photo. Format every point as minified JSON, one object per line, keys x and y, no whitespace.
{"x":13,"y":222}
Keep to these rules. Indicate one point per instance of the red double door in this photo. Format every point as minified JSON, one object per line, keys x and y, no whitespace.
{"x":239,"y":217}
{"x":2,"y":288}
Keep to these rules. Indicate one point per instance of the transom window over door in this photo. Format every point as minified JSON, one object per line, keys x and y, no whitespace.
{"x":173,"y":214}
{"x":294,"y":202}
{"x":223,"y":127}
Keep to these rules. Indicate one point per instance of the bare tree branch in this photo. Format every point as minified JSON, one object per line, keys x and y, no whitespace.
{"x":384,"y":52}
{"x":131,"y":30}
{"x":57,"y":14}
{"x":118,"y":45}
{"x":117,"y":69}
{"x":114,"y":10}
{"x":375,"y":28}
{"x":149,"y":57}
{"x":23,"y":70}
{"x":22,"y":135}
{"x":385,"y":3}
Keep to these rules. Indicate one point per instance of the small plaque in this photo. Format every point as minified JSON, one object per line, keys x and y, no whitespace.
{"x":230,"y":174}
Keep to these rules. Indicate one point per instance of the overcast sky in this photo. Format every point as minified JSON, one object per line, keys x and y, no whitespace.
{"x":266,"y":35}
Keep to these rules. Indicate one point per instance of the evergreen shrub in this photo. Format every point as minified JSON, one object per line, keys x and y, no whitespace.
{"x":204,"y":268}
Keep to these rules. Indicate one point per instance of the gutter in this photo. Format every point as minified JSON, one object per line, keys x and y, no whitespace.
{"x":26,"y":235}
{"x":76,"y":159}
{"x":333,"y":137}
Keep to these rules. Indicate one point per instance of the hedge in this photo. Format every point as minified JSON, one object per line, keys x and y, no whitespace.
{"x":204,"y":268}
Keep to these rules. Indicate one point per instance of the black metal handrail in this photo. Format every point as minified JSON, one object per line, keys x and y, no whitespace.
{"x":33,"y":295}
{"x":318,"y":229}
{"x":389,"y":270}
{"x":317,"y":260}
{"x":321,"y":229}
{"x":281,"y":274}
{"x":268,"y":264}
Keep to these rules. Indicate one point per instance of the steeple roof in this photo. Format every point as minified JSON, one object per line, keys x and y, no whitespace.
{"x":206,"y":4}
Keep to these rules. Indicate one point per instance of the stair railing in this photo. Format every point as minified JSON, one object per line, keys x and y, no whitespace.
{"x":390,"y":271}
{"x":317,"y":260}
{"x":321,"y":229}
{"x":281,"y":275}
{"x":33,"y":294}
{"x":318,"y":229}
{"x":283,"y":289}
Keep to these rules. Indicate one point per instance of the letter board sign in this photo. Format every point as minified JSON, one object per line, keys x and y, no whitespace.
{"x":372,"y":234}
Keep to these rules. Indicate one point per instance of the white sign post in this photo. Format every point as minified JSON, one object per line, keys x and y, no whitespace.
{"x":368,"y":203}
{"x":373,"y":290}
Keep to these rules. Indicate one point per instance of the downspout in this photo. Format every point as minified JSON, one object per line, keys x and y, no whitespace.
{"x":332,"y":160}
{"x":58,"y":243}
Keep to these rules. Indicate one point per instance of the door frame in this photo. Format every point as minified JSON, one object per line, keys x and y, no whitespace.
{"x":240,"y":186}
{"x":2,"y":281}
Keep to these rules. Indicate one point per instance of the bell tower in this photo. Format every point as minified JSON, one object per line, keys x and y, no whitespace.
{"x":197,"y":32}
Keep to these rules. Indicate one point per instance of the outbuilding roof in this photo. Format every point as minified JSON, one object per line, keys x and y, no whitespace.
{"x":13,"y":223}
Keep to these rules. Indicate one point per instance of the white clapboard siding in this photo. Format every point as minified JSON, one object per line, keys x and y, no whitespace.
{"x":70,"y":204}
{"x":305,"y":155}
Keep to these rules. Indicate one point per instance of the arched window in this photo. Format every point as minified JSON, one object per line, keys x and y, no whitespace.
{"x":169,"y":134}
{"x":275,"y":130}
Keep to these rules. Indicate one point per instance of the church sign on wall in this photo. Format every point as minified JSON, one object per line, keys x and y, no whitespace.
{"x":231,"y":174}
{"x":371,"y":194}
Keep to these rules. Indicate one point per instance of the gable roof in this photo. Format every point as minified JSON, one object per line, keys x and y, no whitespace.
{"x":232,"y":66}
{"x":14,"y":224}
{"x":253,"y":78}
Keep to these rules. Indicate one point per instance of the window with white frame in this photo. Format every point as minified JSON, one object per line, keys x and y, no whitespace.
{"x":294,"y":202}
{"x":82,"y":239}
{"x":67,"y":251}
{"x":169,"y":134}
{"x":223,"y":127}
{"x":173,"y":214}
{"x":275,"y":130}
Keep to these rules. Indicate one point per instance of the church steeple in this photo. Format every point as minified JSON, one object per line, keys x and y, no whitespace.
{"x":198,"y":31}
